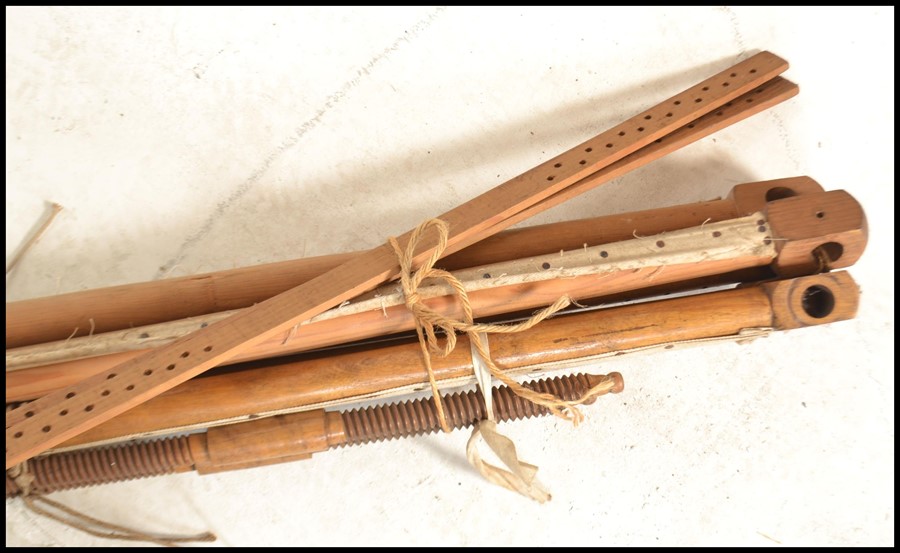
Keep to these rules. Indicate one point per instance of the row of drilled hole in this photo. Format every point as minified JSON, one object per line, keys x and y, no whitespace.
{"x":149,"y":372}
{"x":670,"y":114}
{"x":604,"y":254}
{"x":104,"y":393}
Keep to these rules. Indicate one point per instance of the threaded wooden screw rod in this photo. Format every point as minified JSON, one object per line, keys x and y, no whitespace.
{"x":102,"y":465}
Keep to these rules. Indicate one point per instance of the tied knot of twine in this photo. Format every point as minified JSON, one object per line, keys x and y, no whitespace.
{"x":428,"y":322}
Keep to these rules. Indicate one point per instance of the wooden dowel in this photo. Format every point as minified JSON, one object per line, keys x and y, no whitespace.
{"x":92,"y":402}
{"x":396,"y":369}
{"x":146,"y":303}
{"x":493,"y":289}
{"x":118,"y":307}
{"x":845,"y":226}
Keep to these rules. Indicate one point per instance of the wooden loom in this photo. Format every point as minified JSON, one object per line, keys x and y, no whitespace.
{"x":792,"y":229}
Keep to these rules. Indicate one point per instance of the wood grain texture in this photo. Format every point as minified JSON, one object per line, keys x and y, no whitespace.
{"x":833,"y":221}
{"x":355,"y":375}
{"x":202,"y":294}
{"x":813,"y":300}
{"x":494,"y":289}
{"x":117,"y":307}
{"x":92,"y":401}
{"x":760,"y":98}
{"x":844,"y":224}
{"x":362,"y":373}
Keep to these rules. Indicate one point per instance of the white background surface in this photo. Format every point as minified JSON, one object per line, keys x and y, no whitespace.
{"x":190,"y":140}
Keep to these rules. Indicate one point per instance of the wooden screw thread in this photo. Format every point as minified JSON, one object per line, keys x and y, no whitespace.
{"x":103,"y":465}
{"x":411,"y":418}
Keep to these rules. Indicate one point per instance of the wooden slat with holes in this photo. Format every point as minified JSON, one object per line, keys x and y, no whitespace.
{"x":47,"y":319}
{"x":64,"y":414}
{"x":760,"y":99}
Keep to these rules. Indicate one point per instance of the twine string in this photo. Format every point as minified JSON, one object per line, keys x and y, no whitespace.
{"x":428,"y":322}
{"x":24,"y":479}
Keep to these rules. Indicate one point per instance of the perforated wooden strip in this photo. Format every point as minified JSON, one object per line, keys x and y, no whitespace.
{"x":767,"y":95}
{"x":760,"y":99}
{"x":62,"y":415}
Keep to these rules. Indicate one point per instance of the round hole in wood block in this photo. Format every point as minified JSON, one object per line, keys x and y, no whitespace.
{"x":832,"y":250}
{"x":779,"y":193}
{"x":817,"y":301}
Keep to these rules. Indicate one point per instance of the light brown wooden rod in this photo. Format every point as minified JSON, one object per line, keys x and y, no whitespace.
{"x":34,"y":382}
{"x":104,"y":396}
{"x":118,"y":307}
{"x":30,"y":383}
{"x":375,"y":372}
